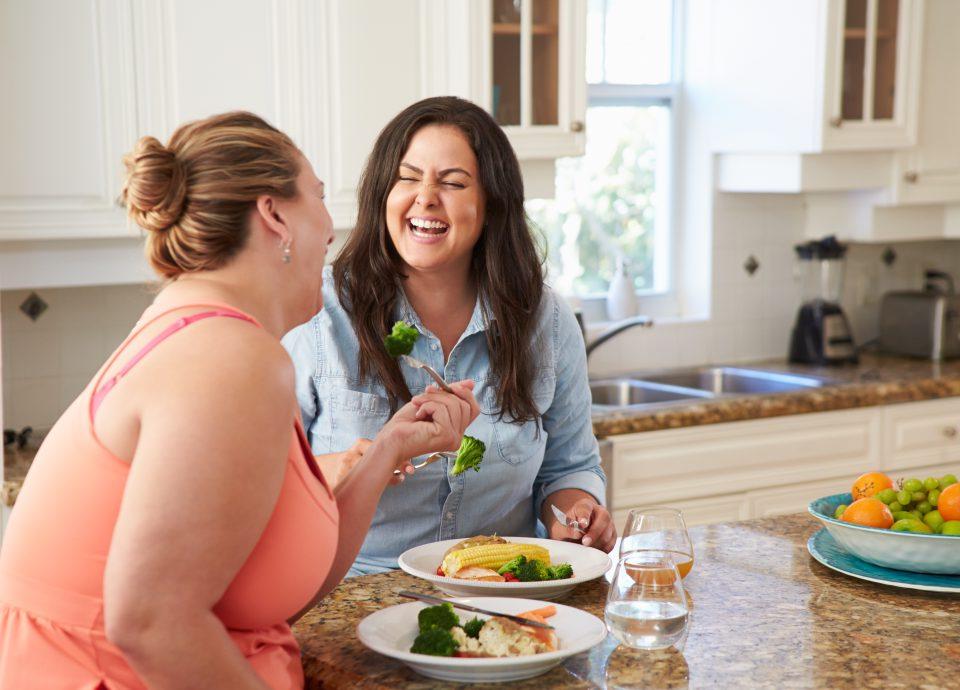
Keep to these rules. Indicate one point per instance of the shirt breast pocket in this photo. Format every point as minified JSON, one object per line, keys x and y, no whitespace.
{"x":354,"y":414}
{"x":520,"y":443}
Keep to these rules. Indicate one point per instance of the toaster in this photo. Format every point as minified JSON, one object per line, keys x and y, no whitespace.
{"x":920,"y":323}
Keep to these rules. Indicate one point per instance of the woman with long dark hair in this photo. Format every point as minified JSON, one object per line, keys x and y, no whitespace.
{"x":442,"y":242}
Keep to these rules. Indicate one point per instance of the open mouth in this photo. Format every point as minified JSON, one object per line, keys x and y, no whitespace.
{"x":422,"y":227}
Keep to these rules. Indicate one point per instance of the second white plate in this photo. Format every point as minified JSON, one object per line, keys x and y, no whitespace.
{"x":588,"y":564}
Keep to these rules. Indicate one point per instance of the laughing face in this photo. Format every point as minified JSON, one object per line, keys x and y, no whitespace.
{"x":435,"y":209}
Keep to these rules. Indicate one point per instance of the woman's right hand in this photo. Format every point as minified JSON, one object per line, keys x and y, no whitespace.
{"x":432,"y":421}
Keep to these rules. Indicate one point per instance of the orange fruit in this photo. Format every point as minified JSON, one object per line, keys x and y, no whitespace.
{"x":870,"y":484}
{"x":869,"y":512}
{"x":949,"y":503}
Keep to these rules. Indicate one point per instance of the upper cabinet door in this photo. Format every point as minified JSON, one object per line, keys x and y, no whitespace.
{"x":530,"y":67}
{"x":872,"y":76}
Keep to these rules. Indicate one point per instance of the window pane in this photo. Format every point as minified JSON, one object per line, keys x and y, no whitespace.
{"x":638,"y":41}
{"x":610,"y":202}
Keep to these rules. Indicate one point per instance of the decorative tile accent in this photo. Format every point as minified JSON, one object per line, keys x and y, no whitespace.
{"x":751,"y":265}
{"x":33,"y":306}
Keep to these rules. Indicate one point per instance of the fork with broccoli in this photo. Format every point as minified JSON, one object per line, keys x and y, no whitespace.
{"x":399,"y":343}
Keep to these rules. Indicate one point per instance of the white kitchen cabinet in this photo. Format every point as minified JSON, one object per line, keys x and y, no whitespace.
{"x":815,"y":76}
{"x":759,"y":468}
{"x":528,"y":69}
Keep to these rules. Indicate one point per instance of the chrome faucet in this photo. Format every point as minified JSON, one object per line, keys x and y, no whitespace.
{"x":615,"y":329}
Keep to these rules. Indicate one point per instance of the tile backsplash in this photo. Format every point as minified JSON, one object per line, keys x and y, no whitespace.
{"x":47,"y":362}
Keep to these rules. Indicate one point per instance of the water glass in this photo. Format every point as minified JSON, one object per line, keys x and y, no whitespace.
{"x":661,"y":530}
{"x":646,"y":604}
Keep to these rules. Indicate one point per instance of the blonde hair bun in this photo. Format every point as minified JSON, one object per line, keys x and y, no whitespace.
{"x":155,"y":190}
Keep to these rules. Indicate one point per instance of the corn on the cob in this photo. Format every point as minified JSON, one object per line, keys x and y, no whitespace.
{"x":491,"y":556}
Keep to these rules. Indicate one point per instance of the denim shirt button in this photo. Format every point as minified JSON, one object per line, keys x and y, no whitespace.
{"x":434,"y":347}
{"x":450,"y":515}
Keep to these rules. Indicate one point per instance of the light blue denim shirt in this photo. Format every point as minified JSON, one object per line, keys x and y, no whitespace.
{"x":520,"y":467}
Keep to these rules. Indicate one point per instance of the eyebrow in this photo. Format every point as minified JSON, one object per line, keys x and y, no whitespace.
{"x":442,"y":173}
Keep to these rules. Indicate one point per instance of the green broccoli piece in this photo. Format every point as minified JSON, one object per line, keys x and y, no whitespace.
{"x":436,"y":642}
{"x":533,"y":570}
{"x":561,"y":571}
{"x":469,"y":456}
{"x":512,"y":565}
{"x":441,"y":616}
{"x":472,"y":628}
{"x":401,"y":339}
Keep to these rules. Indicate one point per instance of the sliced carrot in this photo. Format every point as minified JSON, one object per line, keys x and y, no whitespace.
{"x":544,"y":612}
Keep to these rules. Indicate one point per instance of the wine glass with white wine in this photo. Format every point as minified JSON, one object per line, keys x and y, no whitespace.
{"x":658,"y":529}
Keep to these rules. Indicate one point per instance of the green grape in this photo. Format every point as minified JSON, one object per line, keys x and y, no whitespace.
{"x":839,"y":511}
{"x":918,"y":496}
{"x":934,"y":520}
{"x":904,"y":497}
{"x":933,"y":497}
{"x":951,"y":527}
{"x":915,"y":526}
{"x":888,"y":496}
{"x":895,"y":507}
{"x":931,"y":483}
{"x":903,"y":515}
{"x":924,"y":507}
{"x":912,"y":485}
{"x":946,"y":480}
{"x":917,"y":514}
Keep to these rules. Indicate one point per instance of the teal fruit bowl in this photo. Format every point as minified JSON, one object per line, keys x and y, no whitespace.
{"x":918,"y":553}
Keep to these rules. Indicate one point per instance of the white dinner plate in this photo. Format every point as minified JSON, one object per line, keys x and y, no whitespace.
{"x":588,"y":564}
{"x":391,"y":632}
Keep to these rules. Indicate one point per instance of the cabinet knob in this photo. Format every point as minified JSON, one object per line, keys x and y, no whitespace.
{"x":910,"y":176}
{"x":836,"y":122}
{"x":576,"y":126}
{"x":950,"y":431}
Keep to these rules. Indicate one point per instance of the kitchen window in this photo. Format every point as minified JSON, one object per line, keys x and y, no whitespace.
{"x":615,"y":201}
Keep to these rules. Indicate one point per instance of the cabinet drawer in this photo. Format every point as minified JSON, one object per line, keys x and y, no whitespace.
{"x":677,"y":464}
{"x":696,"y":511}
{"x":922,"y":433}
{"x":796,"y":498}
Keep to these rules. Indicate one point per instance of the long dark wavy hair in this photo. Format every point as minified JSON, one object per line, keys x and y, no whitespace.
{"x":506,"y":266}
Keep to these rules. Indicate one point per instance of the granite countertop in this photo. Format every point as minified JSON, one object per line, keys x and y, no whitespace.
{"x":876,"y":380}
{"x":764,"y":614}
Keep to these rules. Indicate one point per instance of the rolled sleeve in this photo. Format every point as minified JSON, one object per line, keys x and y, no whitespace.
{"x":302,"y":345}
{"x":572,"y":456}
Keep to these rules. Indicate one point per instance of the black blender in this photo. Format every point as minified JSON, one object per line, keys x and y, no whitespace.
{"x":822,"y":333}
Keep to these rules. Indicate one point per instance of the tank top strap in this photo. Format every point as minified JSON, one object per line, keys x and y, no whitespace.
{"x":101,"y":388}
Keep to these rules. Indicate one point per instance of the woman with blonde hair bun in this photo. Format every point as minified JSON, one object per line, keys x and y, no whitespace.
{"x":174,"y":522}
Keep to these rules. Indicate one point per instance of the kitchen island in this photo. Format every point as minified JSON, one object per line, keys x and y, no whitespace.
{"x":763,"y":614}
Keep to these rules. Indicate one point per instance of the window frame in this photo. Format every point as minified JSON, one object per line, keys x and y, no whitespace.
{"x":662,"y":298}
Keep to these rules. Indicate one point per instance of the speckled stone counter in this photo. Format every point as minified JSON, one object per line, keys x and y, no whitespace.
{"x":876,"y":380}
{"x":764,"y":614}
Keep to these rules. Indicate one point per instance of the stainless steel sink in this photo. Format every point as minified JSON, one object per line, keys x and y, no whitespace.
{"x":733,"y":380}
{"x":630,"y":392}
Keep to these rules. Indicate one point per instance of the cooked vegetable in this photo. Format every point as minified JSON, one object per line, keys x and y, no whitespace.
{"x":491,"y":556}
{"x":478,"y":540}
{"x":401,"y":339}
{"x":436,"y":642}
{"x":532,"y":571}
{"x":469,"y":456}
{"x":472,"y":627}
{"x":511,"y":565}
{"x":441,"y":616}
{"x":560,"y":571}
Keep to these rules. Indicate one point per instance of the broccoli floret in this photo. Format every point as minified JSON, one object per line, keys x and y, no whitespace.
{"x":533,"y":570}
{"x":561,"y":571}
{"x":442,"y":617}
{"x":436,"y":642}
{"x":512,"y":565}
{"x":472,"y":628}
{"x":401,"y":339}
{"x":469,"y":456}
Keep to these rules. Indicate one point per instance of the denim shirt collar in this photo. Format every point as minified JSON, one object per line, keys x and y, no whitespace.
{"x":479,"y":321}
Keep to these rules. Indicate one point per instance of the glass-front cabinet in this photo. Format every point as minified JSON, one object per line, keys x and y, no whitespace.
{"x":872,"y":73}
{"x":533,"y":73}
